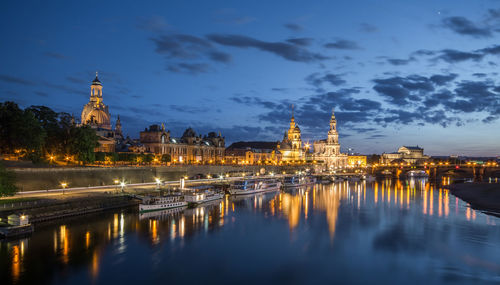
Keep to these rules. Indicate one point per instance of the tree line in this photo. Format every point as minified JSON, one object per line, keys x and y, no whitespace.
{"x":37,"y":133}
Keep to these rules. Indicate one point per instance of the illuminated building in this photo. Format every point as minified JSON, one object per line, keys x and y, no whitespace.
{"x":356,"y":160}
{"x":291,"y":145}
{"x":328,"y":151}
{"x":253,"y":153}
{"x":190,"y":148}
{"x":408,"y":154}
{"x":96,"y":114}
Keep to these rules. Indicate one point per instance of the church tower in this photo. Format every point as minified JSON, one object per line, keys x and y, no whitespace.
{"x":333,"y":135}
{"x":95,"y":113}
{"x":118,"y":128}
{"x":294,"y":134}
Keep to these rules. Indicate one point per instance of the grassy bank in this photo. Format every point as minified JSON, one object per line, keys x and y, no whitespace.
{"x":481,"y":196}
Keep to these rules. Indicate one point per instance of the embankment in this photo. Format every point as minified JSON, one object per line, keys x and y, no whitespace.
{"x":29,"y":179}
{"x":481,"y":196}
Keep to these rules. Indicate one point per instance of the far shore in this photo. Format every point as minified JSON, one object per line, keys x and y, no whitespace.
{"x":481,"y":196}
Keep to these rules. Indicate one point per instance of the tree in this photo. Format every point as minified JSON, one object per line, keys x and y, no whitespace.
{"x":20,"y":131}
{"x":166,"y":158}
{"x":7,"y":180}
{"x":83,"y":140}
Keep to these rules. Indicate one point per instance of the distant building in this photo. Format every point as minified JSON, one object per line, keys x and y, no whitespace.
{"x":327,"y":151}
{"x":405,"y":154}
{"x":255,"y":152}
{"x":96,"y":114}
{"x":291,"y":145}
{"x":356,"y":160}
{"x":190,"y":148}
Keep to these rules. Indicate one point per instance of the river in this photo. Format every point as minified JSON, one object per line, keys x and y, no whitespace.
{"x":404,"y":232}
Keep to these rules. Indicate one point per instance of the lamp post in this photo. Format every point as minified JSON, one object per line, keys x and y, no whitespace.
{"x":122,"y":184}
{"x":158,"y":182}
{"x":64,"y":184}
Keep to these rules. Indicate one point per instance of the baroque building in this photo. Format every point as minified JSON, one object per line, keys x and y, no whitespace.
{"x":190,"y":148}
{"x":255,"y":152}
{"x":327,"y":151}
{"x":407,"y":154}
{"x":291,"y":145}
{"x":96,"y":114}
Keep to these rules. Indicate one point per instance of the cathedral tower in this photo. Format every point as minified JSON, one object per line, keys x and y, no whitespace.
{"x":95,"y":113}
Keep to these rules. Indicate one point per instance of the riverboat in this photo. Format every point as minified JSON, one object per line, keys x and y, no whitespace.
{"x":296,"y":181}
{"x":162,"y":203}
{"x":417,"y":174}
{"x":251,"y":186}
{"x":202,"y":194}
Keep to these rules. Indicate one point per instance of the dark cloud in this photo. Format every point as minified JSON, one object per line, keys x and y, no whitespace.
{"x":440,"y":79}
{"x":187,"y":109}
{"x":368,"y":28}
{"x":283,"y":49}
{"x":182,"y":46}
{"x":403,"y":90}
{"x":76,"y":80}
{"x":396,"y":61}
{"x":220,"y":56}
{"x":190,"y":68}
{"x":300,"y":41}
{"x":154,"y":23}
{"x":454,"y":56}
{"x":342,"y":44}
{"x":41,"y":94}
{"x":317,"y":79}
{"x":463,"y":26}
{"x":293,"y":27}
{"x":55,"y":55}
{"x":16,"y":80}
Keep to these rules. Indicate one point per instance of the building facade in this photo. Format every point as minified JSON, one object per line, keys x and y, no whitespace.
{"x":356,"y":160}
{"x":190,"y":148}
{"x":406,"y":154}
{"x":96,"y":114}
{"x":256,"y":152}
{"x":327,"y":151}
{"x":291,"y":145}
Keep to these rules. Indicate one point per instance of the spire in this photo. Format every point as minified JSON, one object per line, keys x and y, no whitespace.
{"x":292,"y":121}
{"x":163,"y":127}
{"x":96,"y":79}
{"x":333,"y":121}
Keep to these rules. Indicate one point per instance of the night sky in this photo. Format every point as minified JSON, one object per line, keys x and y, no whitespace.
{"x":396,"y":72}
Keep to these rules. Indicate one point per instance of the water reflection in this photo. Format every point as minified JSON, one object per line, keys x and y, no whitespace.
{"x":359,"y":221}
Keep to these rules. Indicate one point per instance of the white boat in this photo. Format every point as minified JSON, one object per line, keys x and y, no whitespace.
{"x":417,"y":174}
{"x":251,"y":186}
{"x":199,"y":196}
{"x":368,"y":178}
{"x":162,"y":203}
{"x":161,"y":214}
{"x":296,"y":181}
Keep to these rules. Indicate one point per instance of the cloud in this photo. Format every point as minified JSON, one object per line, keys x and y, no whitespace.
{"x":368,"y":28}
{"x":220,"y":56}
{"x":454,"y":56}
{"x":440,"y":79}
{"x":402,"y":91}
{"x":41,"y":94}
{"x":190,"y":68}
{"x":317,"y":80}
{"x":154,"y":23}
{"x":342,"y":44}
{"x":55,"y":55}
{"x":463,"y":26}
{"x":300,"y":41}
{"x":181,"y":46}
{"x":396,"y":61}
{"x":283,"y":49}
{"x":293,"y":27}
{"x":16,"y":80}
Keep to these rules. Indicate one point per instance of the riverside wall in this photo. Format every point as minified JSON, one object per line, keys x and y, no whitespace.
{"x":29,"y":179}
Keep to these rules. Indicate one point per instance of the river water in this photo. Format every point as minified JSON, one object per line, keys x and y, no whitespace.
{"x":404,"y":232}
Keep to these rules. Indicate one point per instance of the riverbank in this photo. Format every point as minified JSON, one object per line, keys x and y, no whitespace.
{"x":481,"y":196}
{"x":43,"y":210}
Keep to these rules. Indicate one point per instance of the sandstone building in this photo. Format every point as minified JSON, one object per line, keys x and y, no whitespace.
{"x":190,"y":148}
{"x":327,"y":151}
{"x":405,"y":154}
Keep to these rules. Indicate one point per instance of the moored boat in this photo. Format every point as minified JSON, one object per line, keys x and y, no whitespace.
{"x":251,"y":186}
{"x":296,"y":181}
{"x":161,"y":203}
{"x":199,"y":195}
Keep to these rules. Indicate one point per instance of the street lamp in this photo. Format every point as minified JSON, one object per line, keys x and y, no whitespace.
{"x":64,"y":184}
{"x":122,"y":184}
{"x":158,"y":181}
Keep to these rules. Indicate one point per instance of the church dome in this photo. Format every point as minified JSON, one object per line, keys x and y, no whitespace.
{"x":99,"y":117}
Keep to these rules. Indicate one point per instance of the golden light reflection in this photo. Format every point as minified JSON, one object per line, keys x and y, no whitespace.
{"x":16,"y":263}
{"x":87,"y":239}
{"x":94,"y":269}
{"x":291,"y":209}
{"x":63,"y":235}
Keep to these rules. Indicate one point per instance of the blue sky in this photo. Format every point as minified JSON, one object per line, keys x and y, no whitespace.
{"x":396,"y":72}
